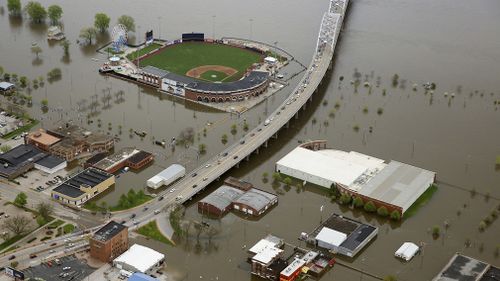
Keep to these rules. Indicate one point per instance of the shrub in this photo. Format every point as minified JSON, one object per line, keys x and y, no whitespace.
{"x":370,"y":207}
{"x":436,"y":231}
{"x":345,"y":198}
{"x":358,"y":202}
{"x":482,"y":226}
{"x":382,"y":211}
{"x":14,"y":264}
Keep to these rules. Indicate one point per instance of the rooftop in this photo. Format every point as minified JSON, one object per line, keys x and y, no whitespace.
{"x":256,"y":198}
{"x":222,"y":197}
{"x":240,"y":184}
{"x":292,"y":267}
{"x":140,"y":257}
{"x":141,"y":277}
{"x":4,"y":86}
{"x":73,"y":134}
{"x":89,"y":177}
{"x":44,"y":138}
{"x":115,"y":159}
{"x":108,"y":231}
{"x":334,"y":165}
{"x":139,"y":156}
{"x":50,"y":161}
{"x":331,"y":236}
{"x":398,"y":184}
{"x":19,"y":157}
{"x":462,"y":268}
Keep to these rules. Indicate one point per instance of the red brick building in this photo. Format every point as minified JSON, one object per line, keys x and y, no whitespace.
{"x":109,"y":242}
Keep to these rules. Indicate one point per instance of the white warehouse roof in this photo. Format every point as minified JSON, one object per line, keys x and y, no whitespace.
{"x":334,"y":165}
{"x":407,"y":251}
{"x":330,"y":236}
{"x":141,"y":258}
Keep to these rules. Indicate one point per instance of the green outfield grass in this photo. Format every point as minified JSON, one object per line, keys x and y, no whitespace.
{"x":180,"y":58}
{"x":143,"y":51}
{"x":212,"y":75}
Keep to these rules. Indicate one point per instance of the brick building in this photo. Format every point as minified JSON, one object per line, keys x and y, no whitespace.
{"x":109,"y":242}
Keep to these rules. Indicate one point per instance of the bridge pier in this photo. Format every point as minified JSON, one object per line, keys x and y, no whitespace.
{"x":238,"y":165}
{"x":247,"y":158}
{"x":256,"y":151}
{"x":297,"y":115}
{"x":265,"y":144}
{"x":275,"y":136}
{"x":287,"y":125}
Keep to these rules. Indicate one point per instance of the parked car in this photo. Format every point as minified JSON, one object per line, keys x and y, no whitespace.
{"x":12,"y":257}
{"x":195,"y":185}
{"x":161,"y":198}
{"x":32,"y":256}
{"x":133,"y":216}
{"x":194,"y":175}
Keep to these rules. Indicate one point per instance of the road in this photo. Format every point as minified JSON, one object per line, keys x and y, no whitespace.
{"x":184,"y":189}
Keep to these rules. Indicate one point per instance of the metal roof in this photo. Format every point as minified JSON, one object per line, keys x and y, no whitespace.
{"x":4,"y":86}
{"x":50,"y":161}
{"x":140,"y":258}
{"x":90,"y":177}
{"x":256,"y":198}
{"x":19,"y":157}
{"x":330,"y":236}
{"x":222,"y":197}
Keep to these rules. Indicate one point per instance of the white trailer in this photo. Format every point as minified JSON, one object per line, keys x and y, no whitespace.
{"x":167,"y":176}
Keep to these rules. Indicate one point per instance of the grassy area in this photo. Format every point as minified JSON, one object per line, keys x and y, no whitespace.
{"x":143,"y":51}
{"x":421,"y":201}
{"x":68,"y":228}
{"x":22,"y":129}
{"x":130,"y":200}
{"x":55,"y":224}
{"x":151,"y":230}
{"x":112,"y":51}
{"x":11,"y":241}
{"x":180,"y":58}
{"x":213,"y":75}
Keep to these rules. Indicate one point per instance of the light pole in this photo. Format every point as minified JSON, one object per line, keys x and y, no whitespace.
{"x":251,"y":22}
{"x":213,"y":27}
{"x":159,"y":27}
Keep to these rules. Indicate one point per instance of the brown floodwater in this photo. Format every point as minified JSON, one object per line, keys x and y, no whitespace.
{"x":454,"y":43}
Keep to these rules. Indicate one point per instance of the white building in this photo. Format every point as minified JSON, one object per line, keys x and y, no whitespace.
{"x":330,"y":239}
{"x":139,"y":259}
{"x":50,"y":164}
{"x":167,"y":176}
{"x":407,"y":251}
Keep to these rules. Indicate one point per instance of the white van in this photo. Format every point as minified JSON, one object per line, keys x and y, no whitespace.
{"x":267,"y":122}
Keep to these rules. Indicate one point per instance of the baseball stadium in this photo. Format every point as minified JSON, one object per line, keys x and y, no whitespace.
{"x":204,"y":70}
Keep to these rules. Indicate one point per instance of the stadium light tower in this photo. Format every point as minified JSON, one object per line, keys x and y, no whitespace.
{"x":251,"y":22}
{"x":213,"y":27}
{"x":159,"y":27}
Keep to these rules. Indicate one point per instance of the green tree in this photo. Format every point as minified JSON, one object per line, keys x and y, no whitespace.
{"x":345,"y":198}
{"x":35,"y":49}
{"x":436,"y":231}
{"x":45,"y":102}
{"x":395,"y":215}
{"x":55,"y":12}
{"x":101,"y":21}
{"x":382,"y":211}
{"x":14,"y":7}
{"x":127,"y":21}
{"x":287,"y":181}
{"x":395,"y":80}
{"x":234,"y":129}
{"x":224,"y":139}
{"x":265,"y":175}
{"x":36,"y":11}
{"x":104,"y":205}
{"x":1,"y":73}
{"x":390,"y":278}
{"x":65,"y":44}
{"x":88,"y":34}
{"x":45,"y":210}
{"x":276,"y":176}
{"x":245,"y":126}
{"x":202,"y":148}
{"x":358,"y":202}
{"x":370,"y":207}
{"x":21,"y":199}
{"x":23,"y":81}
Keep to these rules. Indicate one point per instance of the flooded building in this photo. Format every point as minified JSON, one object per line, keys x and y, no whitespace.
{"x":462,"y":267}
{"x":109,"y":242}
{"x":83,"y":186}
{"x":6,"y":88}
{"x":266,"y":258}
{"x":237,"y":195}
{"x":394,"y":185}
{"x":139,"y":259}
{"x":342,"y":235}
{"x":126,"y":157}
{"x":167,"y":176}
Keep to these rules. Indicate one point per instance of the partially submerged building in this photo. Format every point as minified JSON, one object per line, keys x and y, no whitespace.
{"x":167,"y":176}
{"x":83,"y":186}
{"x":126,"y":157}
{"x":25,"y":157}
{"x":461,"y":267}
{"x":237,"y":195}
{"x":394,"y":185}
{"x":6,"y":87}
{"x":109,"y":242}
{"x":70,"y":141}
{"x":342,"y":235}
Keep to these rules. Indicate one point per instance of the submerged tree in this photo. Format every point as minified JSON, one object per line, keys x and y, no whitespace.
{"x":88,"y":33}
{"x":36,"y":11}
{"x":14,"y":7}
{"x":101,"y":21}
{"x":127,"y":21}
{"x":55,"y":12}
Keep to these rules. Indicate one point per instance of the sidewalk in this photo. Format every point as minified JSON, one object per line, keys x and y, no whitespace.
{"x":163,"y":223}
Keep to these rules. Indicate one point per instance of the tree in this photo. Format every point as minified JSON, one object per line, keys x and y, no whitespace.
{"x":370,"y":207}
{"x":36,"y":11}
{"x":234,"y":129}
{"x":65,"y":44}
{"x":345,"y":198}
{"x":1,"y":71}
{"x":4,"y":148}
{"x":14,"y":7}
{"x":395,"y":215}
{"x":45,"y":210}
{"x":358,"y":202}
{"x":55,"y":12}
{"x":287,"y":181}
{"x":18,"y":225}
{"x":224,"y":139}
{"x":276,"y":176}
{"x":202,"y":148}
{"x":23,"y":81}
{"x":390,"y":278}
{"x":382,"y":211}
{"x":436,"y":231}
{"x":35,"y":49}
{"x":21,"y":199}
{"x":127,"y":21}
{"x":88,"y":33}
{"x":45,"y":102}
{"x":101,"y":21}
{"x":395,"y":80}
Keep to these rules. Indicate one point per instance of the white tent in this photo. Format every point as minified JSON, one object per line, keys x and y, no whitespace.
{"x":407,"y":251}
{"x":329,"y":238}
{"x":138,"y":259}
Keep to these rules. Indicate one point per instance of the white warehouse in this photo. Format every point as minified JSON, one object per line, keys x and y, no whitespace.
{"x":167,"y":176}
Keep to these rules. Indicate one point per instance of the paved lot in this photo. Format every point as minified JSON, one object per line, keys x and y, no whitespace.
{"x":78,"y":271}
{"x":10,"y":211}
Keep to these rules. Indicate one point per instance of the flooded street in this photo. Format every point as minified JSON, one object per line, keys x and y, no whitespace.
{"x":455,"y":44}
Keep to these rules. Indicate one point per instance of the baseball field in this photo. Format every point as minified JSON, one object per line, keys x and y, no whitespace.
{"x":205,"y":61}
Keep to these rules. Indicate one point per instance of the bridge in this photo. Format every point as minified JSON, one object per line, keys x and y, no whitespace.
{"x":214,"y":168}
